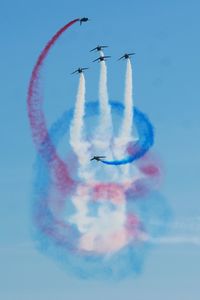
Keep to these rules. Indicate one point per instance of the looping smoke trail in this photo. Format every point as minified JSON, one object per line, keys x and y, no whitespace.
{"x":145,"y":140}
{"x":37,"y":120}
{"x":110,"y":244}
{"x":96,"y":228}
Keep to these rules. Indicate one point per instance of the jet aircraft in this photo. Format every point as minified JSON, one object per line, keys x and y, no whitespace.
{"x":79,"y":70}
{"x":126,"y":56}
{"x":83,"y":20}
{"x":101,"y":58}
{"x":98,"y":48}
{"x":97,"y":158}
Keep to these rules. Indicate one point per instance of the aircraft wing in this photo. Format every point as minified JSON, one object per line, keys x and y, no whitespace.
{"x":96,"y":59}
{"x":93,"y":49}
{"x":121,"y":57}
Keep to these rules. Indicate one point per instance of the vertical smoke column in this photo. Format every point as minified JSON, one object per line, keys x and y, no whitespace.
{"x":76,"y":129}
{"x":126,"y":129}
{"x":104,"y":130}
{"x":125,"y":133}
{"x":77,"y":141}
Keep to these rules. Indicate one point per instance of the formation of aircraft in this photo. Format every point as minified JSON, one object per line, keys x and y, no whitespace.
{"x":98,"y":48}
{"x":126,"y":55}
{"x":79,"y":70}
{"x":101,"y":58}
{"x":97,"y":158}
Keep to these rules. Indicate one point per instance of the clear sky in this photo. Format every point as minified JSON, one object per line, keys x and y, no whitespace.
{"x":165,"y":37}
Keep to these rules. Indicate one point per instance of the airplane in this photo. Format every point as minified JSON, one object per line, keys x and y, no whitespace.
{"x":126,"y":55}
{"x":79,"y":70}
{"x":98,"y":48}
{"x":97,"y":158}
{"x":83,"y":20}
{"x":101,"y":58}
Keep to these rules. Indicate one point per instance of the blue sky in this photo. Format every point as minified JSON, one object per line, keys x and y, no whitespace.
{"x":165,"y":37}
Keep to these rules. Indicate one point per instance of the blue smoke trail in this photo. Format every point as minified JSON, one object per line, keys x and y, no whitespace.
{"x":145,"y":137}
{"x":143,"y":126}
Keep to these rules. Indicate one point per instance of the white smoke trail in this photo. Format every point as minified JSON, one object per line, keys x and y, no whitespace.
{"x":106,"y":231}
{"x":76,"y":130}
{"x":77,"y":141}
{"x":125,"y":132}
{"x":103,"y":134}
{"x":127,"y":124}
{"x":104,"y":131}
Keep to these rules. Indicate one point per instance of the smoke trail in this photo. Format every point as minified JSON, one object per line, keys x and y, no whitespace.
{"x":144,"y":129}
{"x":76,"y":129}
{"x":52,"y":220}
{"x":125,"y":134}
{"x":126,"y":129}
{"x":105,"y":110}
{"x":101,"y":143}
{"x":145,"y":140}
{"x":104,"y":130}
{"x":93,"y":238}
{"x":39,"y":129}
{"x":77,"y":141}
{"x":63,"y":233}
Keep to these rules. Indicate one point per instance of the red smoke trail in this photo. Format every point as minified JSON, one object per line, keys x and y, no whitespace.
{"x":37,"y":119}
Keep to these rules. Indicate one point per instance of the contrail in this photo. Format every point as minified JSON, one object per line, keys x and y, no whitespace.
{"x":77,"y":139}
